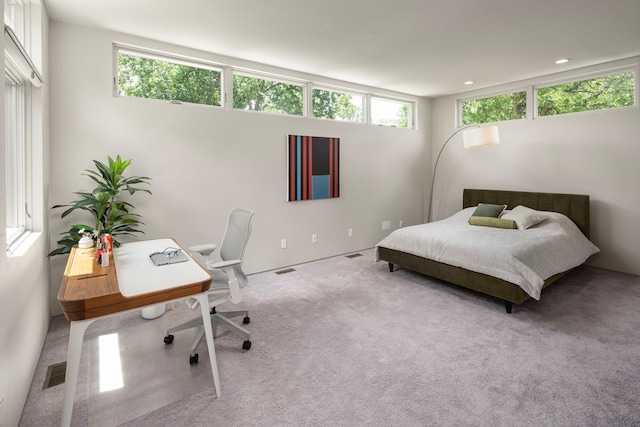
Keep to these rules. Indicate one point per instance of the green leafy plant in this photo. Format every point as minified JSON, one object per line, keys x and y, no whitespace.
{"x":110,"y":213}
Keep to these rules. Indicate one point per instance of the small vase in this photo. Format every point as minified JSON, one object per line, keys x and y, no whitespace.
{"x":85,"y":242}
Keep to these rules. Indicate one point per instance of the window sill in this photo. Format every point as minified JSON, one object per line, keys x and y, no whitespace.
{"x":20,"y":248}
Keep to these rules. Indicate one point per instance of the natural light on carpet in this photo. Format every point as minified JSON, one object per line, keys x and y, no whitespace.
{"x":109,"y":361}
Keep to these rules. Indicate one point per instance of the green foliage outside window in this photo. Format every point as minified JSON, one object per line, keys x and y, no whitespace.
{"x":151,"y":78}
{"x":385,"y":112}
{"x":399,"y":120}
{"x":510,"y":106}
{"x":252,"y":93}
{"x":600,"y":93}
{"x":336,"y":105}
{"x":403,"y":117}
{"x":143,"y":77}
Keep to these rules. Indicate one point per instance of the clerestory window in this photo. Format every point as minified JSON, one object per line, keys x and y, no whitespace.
{"x":508,"y":106}
{"x":147,"y":75}
{"x":598,"y":93}
{"x":337,"y":105}
{"x":389,"y":112}
{"x":257,"y":93}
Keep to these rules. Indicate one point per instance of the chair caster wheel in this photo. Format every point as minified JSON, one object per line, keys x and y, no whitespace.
{"x":168,"y":339}
{"x":246,"y":345}
{"x":193,"y":360}
{"x":246,"y":320}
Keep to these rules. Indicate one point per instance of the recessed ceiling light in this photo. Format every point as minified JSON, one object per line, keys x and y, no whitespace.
{"x":469,"y":82}
{"x":562,"y":61}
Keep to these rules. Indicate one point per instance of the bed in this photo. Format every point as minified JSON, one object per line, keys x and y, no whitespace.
{"x":506,"y":286}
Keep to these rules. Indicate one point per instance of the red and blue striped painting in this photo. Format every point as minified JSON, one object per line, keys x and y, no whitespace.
{"x":313,"y":167}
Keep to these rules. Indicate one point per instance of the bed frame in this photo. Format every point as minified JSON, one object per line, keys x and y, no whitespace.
{"x":574,"y":206}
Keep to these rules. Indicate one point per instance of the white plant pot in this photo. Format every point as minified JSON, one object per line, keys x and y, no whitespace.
{"x":85,"y":243}
{"x":153,"y":311}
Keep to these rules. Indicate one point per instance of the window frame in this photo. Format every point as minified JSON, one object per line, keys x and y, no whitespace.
{"x":328,"y":88}
{"x":22,"y":75}
{"x":17,"y":19}
{"x":229,"y":71}
{"x":409,"y":104}
{"x":18,"y":166}
{"x":584,"y":77}
{"x":171,"y":59}
{"x":517,"y":89}
{"x":270,"y":78}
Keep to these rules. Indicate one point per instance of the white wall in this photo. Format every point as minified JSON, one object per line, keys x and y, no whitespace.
{"x":203,"y":161}
{"x":594,"y":153}
{"x":24,"y":284}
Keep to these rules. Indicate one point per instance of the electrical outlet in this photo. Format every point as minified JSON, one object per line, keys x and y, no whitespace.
{"x":401,"y":224}
{"x":386,"y":225}
{"x":314,"y":238}
{"x":283,"y":244}
{"x":350,"y":232}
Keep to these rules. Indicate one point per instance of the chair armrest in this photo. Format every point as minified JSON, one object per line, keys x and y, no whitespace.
{"x":224,"y":264}
{"x":205,"y":250}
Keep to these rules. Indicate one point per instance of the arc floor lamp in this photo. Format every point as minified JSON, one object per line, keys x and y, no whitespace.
{"x":474,"y":136}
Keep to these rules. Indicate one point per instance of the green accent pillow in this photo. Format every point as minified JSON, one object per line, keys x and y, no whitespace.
{"x":486,"y":221}
{"x":487,"y":209}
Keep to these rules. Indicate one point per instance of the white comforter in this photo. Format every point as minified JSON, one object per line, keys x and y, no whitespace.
{"x":524,"y":257}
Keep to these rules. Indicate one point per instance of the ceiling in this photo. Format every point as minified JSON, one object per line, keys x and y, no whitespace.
{"x":419,"y":47}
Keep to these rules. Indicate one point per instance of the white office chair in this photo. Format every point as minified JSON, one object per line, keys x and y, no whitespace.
{"x":228,"y":279}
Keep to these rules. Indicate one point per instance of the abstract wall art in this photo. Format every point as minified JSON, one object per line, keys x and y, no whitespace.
{"x":313,"y":167}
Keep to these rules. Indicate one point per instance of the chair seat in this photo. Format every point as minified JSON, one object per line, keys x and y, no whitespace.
{"x":220,"y":279}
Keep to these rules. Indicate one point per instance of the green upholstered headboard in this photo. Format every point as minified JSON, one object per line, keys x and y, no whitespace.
{"x":574,"y":206}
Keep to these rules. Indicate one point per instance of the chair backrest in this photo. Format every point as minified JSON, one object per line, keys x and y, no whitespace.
{"x":235,"y":239}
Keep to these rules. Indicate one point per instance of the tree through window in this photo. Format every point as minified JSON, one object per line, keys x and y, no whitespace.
{"x":509,"y":106}
{"x":329,"y":104}
{"x":147,"y":77}
{"x":260,"y":94}
{"x":598,"y":93}
{"x":388,"y":112}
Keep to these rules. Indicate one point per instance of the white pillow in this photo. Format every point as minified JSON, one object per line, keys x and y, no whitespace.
{"x":525,"y":217}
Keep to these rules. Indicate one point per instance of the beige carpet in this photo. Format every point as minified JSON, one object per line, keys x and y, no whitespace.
{"x":343,"y":342}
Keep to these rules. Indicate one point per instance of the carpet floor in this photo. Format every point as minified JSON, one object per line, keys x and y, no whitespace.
{"x":344,"y":342}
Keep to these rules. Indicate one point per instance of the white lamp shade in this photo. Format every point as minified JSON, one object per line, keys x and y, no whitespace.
{"x":481,"y":137}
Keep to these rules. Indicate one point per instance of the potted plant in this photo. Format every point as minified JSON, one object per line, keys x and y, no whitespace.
{"x":110,"y":213}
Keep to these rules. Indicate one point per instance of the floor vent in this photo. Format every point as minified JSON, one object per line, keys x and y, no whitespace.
{"x":55,"y":375}
{"x":285,"y":271}
{"x":353,"y":255}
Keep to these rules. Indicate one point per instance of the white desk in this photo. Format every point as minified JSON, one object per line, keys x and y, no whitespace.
{"x":90,"y":291}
